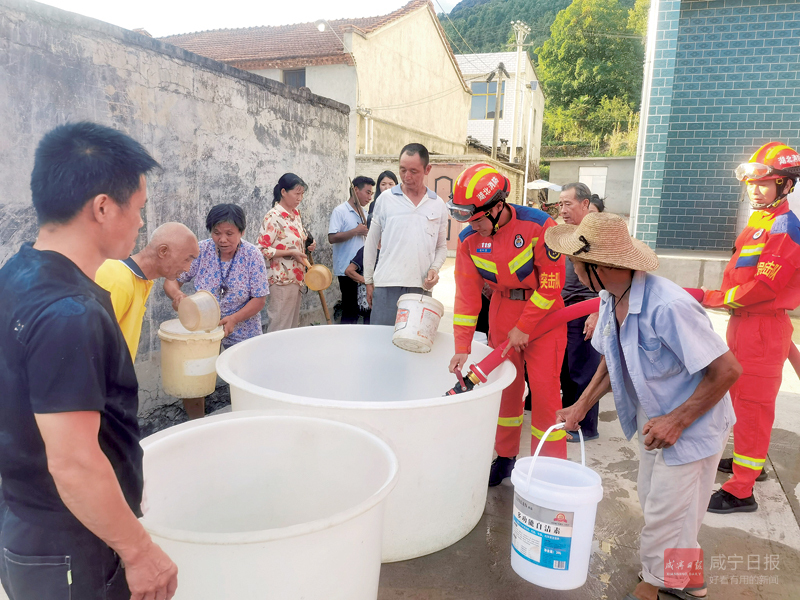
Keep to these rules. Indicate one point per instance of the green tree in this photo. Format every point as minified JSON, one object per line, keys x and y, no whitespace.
{"x":591,"y":52}
{"x":637,"y":18}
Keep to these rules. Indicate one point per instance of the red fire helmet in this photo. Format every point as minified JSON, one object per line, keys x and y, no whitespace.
{"x":476,"y":191}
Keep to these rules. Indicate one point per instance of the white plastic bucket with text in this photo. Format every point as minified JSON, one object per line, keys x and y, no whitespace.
{"x":417,"y":321}
{"x":555,"y":504}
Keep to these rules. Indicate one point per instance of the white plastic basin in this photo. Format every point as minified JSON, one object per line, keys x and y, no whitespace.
{"x":255,"y":506}
{"x":353,"y":373}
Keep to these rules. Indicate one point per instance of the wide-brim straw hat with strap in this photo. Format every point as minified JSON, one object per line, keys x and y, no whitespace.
{"x":602,"y":239}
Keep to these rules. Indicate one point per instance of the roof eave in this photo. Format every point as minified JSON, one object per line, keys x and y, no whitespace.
{"x":292,"y":62}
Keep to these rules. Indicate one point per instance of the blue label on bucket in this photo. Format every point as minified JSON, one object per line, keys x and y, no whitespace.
{"x":541,"y":535}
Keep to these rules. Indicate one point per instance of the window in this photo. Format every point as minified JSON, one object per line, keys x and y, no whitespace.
{"x":594,"y":178}
{"x":483,"y":99}
{"x":295,"y":78}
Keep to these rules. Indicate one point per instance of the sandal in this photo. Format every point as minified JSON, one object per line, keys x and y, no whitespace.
{"x":684,"y":594}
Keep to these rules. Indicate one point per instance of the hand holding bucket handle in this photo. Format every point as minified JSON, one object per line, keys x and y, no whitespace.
{"x":539,"y":449}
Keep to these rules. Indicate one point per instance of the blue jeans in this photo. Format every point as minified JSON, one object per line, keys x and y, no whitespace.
{"x":39,"y":563}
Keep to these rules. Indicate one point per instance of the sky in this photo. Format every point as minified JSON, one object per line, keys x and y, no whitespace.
{"x":168,"y":17}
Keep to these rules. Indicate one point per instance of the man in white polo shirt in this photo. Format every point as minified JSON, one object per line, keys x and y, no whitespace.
{"x":346,"y":233}
{"x":410,"y":227}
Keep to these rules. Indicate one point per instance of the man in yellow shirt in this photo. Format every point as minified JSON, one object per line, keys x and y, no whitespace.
{"x":171,"y":250}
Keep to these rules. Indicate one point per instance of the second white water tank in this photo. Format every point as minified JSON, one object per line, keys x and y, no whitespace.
{"x":354,"y":373}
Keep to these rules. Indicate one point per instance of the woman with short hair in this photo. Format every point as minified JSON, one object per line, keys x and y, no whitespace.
{"x":283,"y":240}
{"x":232,"y":270}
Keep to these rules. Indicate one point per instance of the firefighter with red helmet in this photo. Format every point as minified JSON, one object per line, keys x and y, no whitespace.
{"x":504,"y":247}
{"x":760,"y":285}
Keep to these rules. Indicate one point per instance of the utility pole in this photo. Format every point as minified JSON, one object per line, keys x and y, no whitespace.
{"x":531,"y":86}
{"x":521,"y":31}
{"x":499,"y":72}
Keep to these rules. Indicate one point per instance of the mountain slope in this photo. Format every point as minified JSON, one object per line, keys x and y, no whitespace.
{"x":486,"y":24}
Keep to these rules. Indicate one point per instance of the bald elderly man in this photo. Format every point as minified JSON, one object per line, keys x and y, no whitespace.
{"x":171,"y":250}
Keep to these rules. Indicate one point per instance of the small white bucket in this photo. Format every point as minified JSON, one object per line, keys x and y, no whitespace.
{"x":417,"y":321}
{"x":553,"y":523}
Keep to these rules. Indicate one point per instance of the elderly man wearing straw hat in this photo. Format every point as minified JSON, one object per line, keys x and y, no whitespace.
{"x":670,"y":373}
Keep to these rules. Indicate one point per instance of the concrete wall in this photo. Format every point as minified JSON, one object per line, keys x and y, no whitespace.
{"x":222,"y":135}
{"x":725,"y":80}
{"x":337,"y":82}
{"x":409,"y":79}
{"x":619,"y":182}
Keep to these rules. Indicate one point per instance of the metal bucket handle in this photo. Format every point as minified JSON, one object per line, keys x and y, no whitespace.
{"x":539,"y":449}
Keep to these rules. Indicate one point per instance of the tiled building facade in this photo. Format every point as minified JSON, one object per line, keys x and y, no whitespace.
{"x":723,"y":79}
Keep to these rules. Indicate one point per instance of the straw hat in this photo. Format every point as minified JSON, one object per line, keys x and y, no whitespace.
{"x":602,"y":239}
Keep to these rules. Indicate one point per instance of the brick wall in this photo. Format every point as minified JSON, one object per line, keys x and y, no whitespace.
{"x":725,"y":81}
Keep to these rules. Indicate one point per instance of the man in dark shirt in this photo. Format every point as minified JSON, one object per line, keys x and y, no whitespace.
{"x":70,"y":459}
{"x":580,"y":359}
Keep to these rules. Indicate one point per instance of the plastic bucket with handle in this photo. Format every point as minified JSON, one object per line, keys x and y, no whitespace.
{"x":555,"y":504}
{"x":188,"y":359}
{"x":417,"y":321}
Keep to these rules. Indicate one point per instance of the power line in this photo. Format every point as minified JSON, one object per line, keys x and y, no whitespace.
{"x":453,"y":25}
{"x":431,"y":98}
{"x":454,"y":28}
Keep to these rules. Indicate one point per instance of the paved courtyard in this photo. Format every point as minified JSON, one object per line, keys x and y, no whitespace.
{"x":755,"y":555}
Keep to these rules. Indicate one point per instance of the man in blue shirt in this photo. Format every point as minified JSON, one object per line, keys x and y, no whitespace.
{"x":346,"y":233}
{"x":669,"y":372}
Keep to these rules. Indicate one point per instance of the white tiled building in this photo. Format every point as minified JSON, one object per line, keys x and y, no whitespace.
{"x":475,"y":68}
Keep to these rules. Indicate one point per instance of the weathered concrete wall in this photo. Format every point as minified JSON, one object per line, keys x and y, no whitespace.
{"x":338,"y":82}
{"x":222,"y":135}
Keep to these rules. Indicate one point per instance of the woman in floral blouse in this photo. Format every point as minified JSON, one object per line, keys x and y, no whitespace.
{"x":231,"y":269}
{"x":282,"y":242}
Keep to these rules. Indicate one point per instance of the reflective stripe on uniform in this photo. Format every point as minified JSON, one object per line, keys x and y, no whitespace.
{"x":558,"y":434}
{"x":541,"y":301}
{"x":747,"y":461}
{"x":486,"y":265}
{"x":510,"y":421}
{"x":730,"y":295}
{"x":523,"y":257}
{"x":466,"y":320}
{"x":753,"y":250}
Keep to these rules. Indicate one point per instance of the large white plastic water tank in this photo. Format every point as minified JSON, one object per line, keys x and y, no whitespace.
{"x":252,"y":506}
{"x":354,"y":373}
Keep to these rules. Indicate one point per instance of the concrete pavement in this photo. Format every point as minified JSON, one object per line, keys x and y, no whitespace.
{"x":754,"y":555}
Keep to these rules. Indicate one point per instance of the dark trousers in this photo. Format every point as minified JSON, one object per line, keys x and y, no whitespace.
{"x":349,"y":290}
{"x":579,"y":366}
{"x":44,"y":563}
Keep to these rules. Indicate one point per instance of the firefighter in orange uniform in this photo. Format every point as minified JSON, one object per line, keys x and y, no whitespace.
{"x":504,"y":247}
{"x":760,"y":285}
